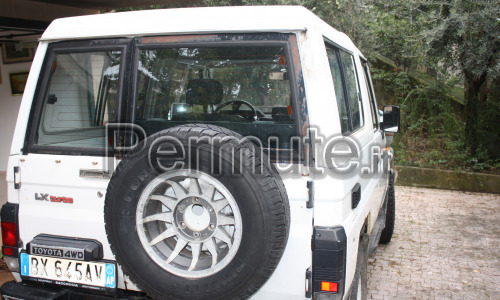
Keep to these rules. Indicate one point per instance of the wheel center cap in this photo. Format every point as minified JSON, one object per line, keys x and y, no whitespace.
{"x":196,"y":217}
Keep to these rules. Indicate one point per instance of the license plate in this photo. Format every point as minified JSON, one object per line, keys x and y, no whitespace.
{"x":67,"y":272}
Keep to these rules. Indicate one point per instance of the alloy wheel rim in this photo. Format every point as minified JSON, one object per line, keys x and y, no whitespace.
{"x":189,"y":223}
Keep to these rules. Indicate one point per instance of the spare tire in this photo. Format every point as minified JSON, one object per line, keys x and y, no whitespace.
{"x":206,"y":220}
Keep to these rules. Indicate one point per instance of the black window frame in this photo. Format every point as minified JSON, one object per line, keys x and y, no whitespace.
{"x":337,"y":48}
{"x":67,"y":47}
{"x":128,"y":80}
{"x":371,"y":94}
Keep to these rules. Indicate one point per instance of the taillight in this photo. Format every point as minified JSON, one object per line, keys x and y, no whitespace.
{"x":329,"y":286}
{"x":10,"y":234}
{"x":329,"y":257}
{"x":8,"y":251}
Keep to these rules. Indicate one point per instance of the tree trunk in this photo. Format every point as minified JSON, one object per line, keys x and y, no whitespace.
{"x":472,"y":87}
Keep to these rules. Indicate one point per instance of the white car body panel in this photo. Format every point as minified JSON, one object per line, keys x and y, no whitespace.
{"x":287,"y":281}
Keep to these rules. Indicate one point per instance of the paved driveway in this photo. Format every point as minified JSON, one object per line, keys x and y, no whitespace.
{"x":446,"y":245}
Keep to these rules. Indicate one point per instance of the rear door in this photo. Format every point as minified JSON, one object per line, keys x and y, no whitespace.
{"x":358,"y":124}
{"x":380,"y":169}
{"x":64,"y":167}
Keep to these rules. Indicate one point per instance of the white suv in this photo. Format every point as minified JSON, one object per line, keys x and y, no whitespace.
{"x":201,"y":153}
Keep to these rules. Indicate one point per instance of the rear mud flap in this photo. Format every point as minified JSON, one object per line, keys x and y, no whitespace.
{"x":377,"y":230}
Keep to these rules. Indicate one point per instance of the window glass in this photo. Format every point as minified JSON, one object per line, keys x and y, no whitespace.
{"x":81,"y":98}
{"x":352,"y":89}
{"x":369,"y":86}
{"x":245,"y":89}
{"x":339,"y":88}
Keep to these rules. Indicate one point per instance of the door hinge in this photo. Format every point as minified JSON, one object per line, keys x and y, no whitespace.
{"x":309,"y":283}
{"x":17,"y":178}
{"x":310,"y":192}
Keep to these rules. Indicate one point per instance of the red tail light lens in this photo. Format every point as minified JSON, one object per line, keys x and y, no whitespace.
{"x":329,"y":286}
{"x":8,"y":251}
{"x":9,"y":234}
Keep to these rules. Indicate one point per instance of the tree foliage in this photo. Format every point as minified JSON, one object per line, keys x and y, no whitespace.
{"x":422,"y":51}
{"x":465,"y":35}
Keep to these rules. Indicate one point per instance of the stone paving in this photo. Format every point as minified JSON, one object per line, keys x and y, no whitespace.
{"x":446,"y":245}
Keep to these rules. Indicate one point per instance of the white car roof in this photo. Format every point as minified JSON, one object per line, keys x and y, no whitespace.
{"x":184,"y":20}
{"x":197,"y":20}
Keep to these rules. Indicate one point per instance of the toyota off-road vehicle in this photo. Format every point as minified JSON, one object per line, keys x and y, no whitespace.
{"x":201,"y":153}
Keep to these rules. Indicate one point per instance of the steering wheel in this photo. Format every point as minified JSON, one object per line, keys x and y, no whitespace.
{"x":236,"y":108}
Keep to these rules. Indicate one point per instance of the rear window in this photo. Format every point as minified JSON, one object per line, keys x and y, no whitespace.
{"x":90,"y":89}
{"x":242,"y":88}
{"x":80,"y":100}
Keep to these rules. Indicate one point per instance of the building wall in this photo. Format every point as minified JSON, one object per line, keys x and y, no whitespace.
{"x":31,"y":10}
{"x":9,"y":107}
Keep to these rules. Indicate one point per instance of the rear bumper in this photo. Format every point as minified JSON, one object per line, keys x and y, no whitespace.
{"x":20,"y":290}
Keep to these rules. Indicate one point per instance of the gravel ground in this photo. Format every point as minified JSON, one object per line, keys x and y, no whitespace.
{"x":446,"y":245}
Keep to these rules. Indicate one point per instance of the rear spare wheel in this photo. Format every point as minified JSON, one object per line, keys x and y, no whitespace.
{"x":208,"y":220}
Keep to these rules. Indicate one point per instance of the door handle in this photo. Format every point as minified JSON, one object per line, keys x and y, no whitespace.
{"x":92,"y":173}
{"x":355,"y":195}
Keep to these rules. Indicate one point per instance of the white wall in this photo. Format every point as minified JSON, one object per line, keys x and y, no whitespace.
{"x":9,"y":107}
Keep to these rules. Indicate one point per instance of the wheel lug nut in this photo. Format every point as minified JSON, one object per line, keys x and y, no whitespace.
{"x":196,"y":199}
{"x":182,"y":225}
{"x":196,"y":234}
{"x":212,"y":227}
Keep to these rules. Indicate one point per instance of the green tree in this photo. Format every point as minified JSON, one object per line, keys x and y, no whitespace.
{"x":465,"y":34}
{"x":419,"y":50}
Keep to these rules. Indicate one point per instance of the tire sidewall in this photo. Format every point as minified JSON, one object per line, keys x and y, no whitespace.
{"x":361,"y":274}
{"x":390,"y":209}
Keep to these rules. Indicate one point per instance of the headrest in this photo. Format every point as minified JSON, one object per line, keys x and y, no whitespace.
{"x":204,"y":91}
{"x":280,"y":114}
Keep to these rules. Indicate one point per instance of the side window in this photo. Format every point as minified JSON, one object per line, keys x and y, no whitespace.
{"x":81,"y":98}
{"x":346,"y":86}
{"x":339,"y":88}
{"x":371,"y":93}
{"x":351,"y":81}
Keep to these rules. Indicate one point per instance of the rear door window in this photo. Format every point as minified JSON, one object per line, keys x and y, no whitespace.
{"x":339,"y":89}
{"x":158,"y":83}
{"x":81,"y":95}
{"x":346,"y":84}
{"x":371,"y":93}
{"x":351,"y":81}
{"x":245,"y":88}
